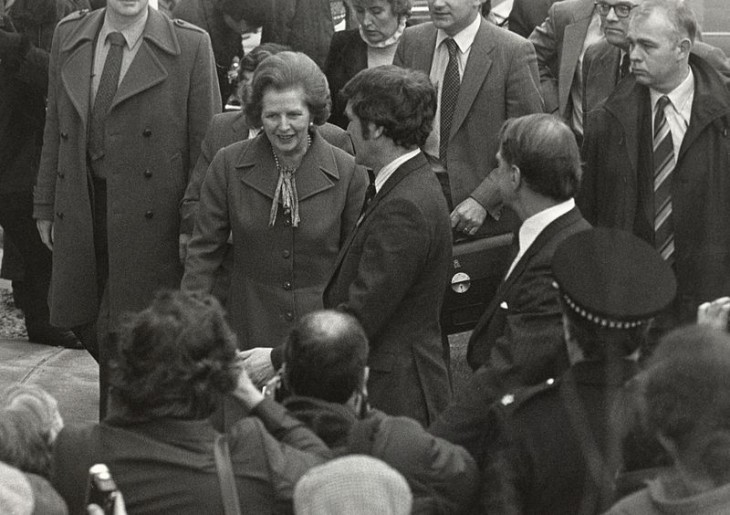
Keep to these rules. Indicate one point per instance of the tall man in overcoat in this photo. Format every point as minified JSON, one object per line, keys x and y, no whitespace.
{"x":622,"y":186}
{"x":392,"y":270}
{"x":107,"y":196}
{"x":498,"y":78}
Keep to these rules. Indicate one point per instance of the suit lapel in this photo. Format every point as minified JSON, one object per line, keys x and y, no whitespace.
{"x":240,"y":126}
{"x":475,"y":73}
{"x":422,"y":60}
{"x":573,"y":38}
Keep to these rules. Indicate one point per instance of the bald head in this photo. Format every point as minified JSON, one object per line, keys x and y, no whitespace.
{"x":325,"y":356}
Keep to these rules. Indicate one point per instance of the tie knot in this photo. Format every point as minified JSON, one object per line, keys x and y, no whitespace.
{"x":452,"y":47}
{"x":116,"y":39}
{"x":662,"y":103}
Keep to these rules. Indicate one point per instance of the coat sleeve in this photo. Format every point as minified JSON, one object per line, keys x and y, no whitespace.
{"x":204,"y":98}
{"x":212,"y":227}
{"x":543,"y":38}
{"x":189,"y":204}
{"x":45,"y":189}
{"x":591,"y":152}
{"x":392,"y":257}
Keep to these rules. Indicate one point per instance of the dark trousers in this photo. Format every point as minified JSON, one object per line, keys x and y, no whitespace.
{"x":16,"y":219}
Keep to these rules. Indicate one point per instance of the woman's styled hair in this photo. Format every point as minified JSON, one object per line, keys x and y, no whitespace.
{"x":290,"y":70}
{"x":177,"y":358}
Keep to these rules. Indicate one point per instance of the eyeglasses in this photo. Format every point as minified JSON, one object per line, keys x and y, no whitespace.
{"x":621,"y":10}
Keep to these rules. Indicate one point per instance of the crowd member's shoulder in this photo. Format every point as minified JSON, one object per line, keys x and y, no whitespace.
{"x":183,"y":25}
{"x":515,"y":402}
{"x":74,"y":17}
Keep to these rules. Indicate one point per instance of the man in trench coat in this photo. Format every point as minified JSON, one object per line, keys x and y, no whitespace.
{"x":158,"y":116}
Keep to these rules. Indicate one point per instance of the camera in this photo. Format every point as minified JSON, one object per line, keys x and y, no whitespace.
{"x":101,"y":490}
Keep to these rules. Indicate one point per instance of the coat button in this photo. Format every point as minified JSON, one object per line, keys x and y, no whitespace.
{"x":148,"y":173}
{"x":147,"y":132}
{"x":64,"y":135}
{"x":286,"y":254}
{"x":287,"y":221}
{"x":59,"y":215}
{"x":61,"y":175}
{"x":289,"y":316}
{"x":149,"y":214}
{"x":287,"y":285}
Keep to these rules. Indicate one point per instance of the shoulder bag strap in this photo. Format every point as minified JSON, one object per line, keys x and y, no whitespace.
{"x":229,"y":492}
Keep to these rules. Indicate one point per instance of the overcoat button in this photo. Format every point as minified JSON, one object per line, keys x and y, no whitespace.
{"x":64,"y":135}
{"x":61,"y":175}
{"x":59,"y":215}
{"x":149,"y":214}
{"x":147,"y":132}
{"x":148,"y":173}
{"x":287,"y":285}
{"x":289,"y":316}
{"x":286,"y":254}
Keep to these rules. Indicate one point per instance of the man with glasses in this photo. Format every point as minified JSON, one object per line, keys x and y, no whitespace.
{"x":606,"y":62}
{"x":560,"y":42}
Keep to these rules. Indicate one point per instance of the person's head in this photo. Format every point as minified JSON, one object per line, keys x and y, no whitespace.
{"x":686,"y":394}
{"x":325,"y":357}
{"x":24,"y":443}
{"x":390,"y":102}
{"x":289,"y":92}
{"x":615,"y":16}
{"x":661,"y":35}
{"x":250,"y":62}
{"x":453,"y":16}
{"x":537,"y":151}
{"x":611,"y":284}
{"x":379,"y":19}
{"x":354,"y":484}
{"x":125,"y":11}
{"x":39,"y":403}
{"x":177,"y":358}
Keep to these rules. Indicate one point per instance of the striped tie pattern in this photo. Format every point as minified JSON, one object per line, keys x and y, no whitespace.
{"x":449,"y":96}
{"x":105,"y":94}
{"x":664,"y":162}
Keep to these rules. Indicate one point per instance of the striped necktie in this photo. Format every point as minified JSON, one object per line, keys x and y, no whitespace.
{"x":664,"y":162}
{"x":449,"y":96}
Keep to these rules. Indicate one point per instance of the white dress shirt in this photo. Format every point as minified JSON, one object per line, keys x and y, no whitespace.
{"x":679,"y":110}
{"x":385,"y":172}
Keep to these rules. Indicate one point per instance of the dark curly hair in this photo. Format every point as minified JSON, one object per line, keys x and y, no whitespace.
{"x":177,"y":358}
{"x":289,"y":70}
{"x":24,"y":443}
{"x":401,"y":101}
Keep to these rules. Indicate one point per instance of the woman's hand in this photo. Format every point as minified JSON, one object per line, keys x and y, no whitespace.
{"x":258,"y":364}
{"x":715,"y":313}
{"x":246,"y":391}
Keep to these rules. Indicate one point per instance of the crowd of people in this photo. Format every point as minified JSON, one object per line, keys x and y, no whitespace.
{"x":263,"y":289}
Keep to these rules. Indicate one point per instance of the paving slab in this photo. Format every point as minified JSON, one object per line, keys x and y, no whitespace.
{"x":71,"y":376}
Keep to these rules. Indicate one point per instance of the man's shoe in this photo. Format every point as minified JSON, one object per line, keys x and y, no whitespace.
{"x":54,"y":336}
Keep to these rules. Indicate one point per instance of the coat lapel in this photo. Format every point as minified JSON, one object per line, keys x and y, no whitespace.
{"x":422,"y":60}
{"x":573,"y":38}
{"x":146,"y":69}
{"x":475,"y":73}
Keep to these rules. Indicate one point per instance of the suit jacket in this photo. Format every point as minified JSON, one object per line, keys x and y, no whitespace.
{"x":279,"y":273}
{"x":226,"y":129}
{"x":500,"y":82}
{"x":348,"y":55}
{"x":601,"y":64}
{"x":521,"y":331}
{"x":617,"y":189}
{"x":558,"y":43}
{"x":527,"y":14}
{"x":391,"y":274}
{"x":153,"y":133}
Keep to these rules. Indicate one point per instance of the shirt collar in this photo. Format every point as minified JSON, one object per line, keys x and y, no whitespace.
{"x":533,"y":226}
{"x":132,"y":32}
{"x":389,"y":169}
{"x":679,"y":97}
{"x":465,"y":38}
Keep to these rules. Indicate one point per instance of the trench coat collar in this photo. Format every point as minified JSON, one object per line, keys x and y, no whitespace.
{"x":317,"y":172}
{"x":144,"y":72}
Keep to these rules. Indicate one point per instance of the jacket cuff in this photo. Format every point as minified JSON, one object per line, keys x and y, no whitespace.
{"x":277,"y":357}
{"x":488,"y":197}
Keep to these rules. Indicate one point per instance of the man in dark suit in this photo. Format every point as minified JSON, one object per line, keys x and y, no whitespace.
{"x":392,"y":271}
{"x":131,"y":94}
{"x":676,"y":197}
{"x":526,"y":15}
{"x":496,"y":78}
{"x":607,"y":61}
{"x":519,"y":339}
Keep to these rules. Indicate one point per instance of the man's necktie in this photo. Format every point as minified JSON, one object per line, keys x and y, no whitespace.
{"x":369,"y":192}
{"x":449,"y":96}
{"x":625,"y":67}
{"x":105,"y":94}
{"x":664,"y":162}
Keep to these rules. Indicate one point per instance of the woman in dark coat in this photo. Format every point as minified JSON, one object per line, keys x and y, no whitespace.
{"x":177,"y":359}
{"x":288,"y":197}
{"x":373,"y":43}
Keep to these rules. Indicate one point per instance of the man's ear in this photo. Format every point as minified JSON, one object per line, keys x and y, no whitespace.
{"x":365,"y":376}
{"x":515,"y":176}
{"x":375,"y":130}
{"x":685,"y":47}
